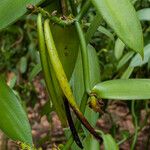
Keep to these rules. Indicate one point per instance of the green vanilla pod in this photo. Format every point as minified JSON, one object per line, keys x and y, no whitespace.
{"x":62,"y":79}
{"x":48,"y":76}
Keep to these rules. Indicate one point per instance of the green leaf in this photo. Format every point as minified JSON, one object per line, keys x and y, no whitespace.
{"x":67,"y":46}
{"x":119,"y":48}
{"x":143,"y":14}
{"x":35,"y":71}
{"x":106,"y":32}
{"x":23,"y":64}
{"x":127,"y":73}
{"x":125,"y":59}
{"x":90,"y":143}
{"x":77,"y":86}
{"x":109,"y":142}
{"x":137,"y":60}
{"x":77,"y":77}
{"x":123,"y":89}
{"x":122,"y":18}
{"x":11,"y":10}
{"x":77,"y":83}
{"x":93,"y":27}
{"x":14,"y":122}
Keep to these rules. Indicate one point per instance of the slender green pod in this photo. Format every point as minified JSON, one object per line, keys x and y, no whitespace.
{"x":123,"y":89}
{"x":57,"y":101}
{"x":62,"y":79}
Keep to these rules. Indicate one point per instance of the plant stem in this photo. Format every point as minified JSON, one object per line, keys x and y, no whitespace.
{"x":135,"y":125}
{"x":84,"y":54}
{"x":83,"y":11}
{"x":53,"y":18}
{"x":64,"y":7}
{"x":72,"y":4}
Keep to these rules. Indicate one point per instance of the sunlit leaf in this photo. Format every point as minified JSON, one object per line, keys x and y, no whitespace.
{"x":122,"y":18}
{"x":143,"y":14}
{"x":137,"y":60}
{"x":123,"y":89}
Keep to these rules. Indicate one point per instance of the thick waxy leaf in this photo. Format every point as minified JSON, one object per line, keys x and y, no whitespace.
{"x":123,"y":89}
{"x":14,"y":122}
{"x":67,"y":44}
{"x":143,"y":14}
{"x":11,"y":10}
{"x":122,"y":18}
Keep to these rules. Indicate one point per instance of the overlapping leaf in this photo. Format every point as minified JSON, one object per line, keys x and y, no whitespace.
{"x":122,"y":18}
{"x":11,"y":10}
{"x":13,"y":122}
{"x":123,"y":89}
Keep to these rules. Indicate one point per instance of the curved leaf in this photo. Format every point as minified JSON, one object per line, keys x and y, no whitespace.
{"x":137,"y":60}
{"x":125,"y":59}
{"x":14,"y":122}
{"x":144,"y":14}
{"x":123,"y":89}
{"x":106,"y":32}
{"x":109,"y":142}
{"x":122,"y":18}
{"x":119,"y":48}
{"x":11,"y":10}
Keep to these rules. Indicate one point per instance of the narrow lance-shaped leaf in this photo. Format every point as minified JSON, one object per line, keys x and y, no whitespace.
{"x":14,"y":122}
{"x":123,"y":89}
{"x":122,"y":18}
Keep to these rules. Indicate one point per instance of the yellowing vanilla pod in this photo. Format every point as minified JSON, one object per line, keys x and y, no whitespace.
{"x":62,"y":79}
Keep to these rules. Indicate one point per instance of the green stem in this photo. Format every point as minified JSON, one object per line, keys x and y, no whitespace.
{"x":84,"y":54}
{"x":135,"y":125}
{"x":84,"y":9}
{"x":47,"y":74}
{"x":73,"y":8}
{"x":53,"y":18}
